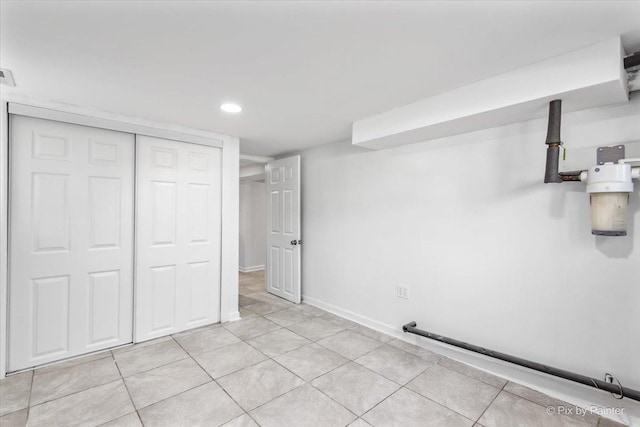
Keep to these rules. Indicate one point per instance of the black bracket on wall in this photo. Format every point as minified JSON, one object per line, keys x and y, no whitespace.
{"x":616,"y":389}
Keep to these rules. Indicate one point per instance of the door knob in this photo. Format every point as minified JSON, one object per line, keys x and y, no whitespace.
{"x":294,"y":242}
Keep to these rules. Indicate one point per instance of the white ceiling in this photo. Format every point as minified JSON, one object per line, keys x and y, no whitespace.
{"x":245,"y":162}
{"x":303,"y":71}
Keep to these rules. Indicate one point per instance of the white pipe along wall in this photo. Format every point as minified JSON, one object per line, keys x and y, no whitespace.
{"x":490,"y":254}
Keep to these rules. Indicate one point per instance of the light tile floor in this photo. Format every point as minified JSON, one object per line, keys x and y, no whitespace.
{"x":282,"y":365}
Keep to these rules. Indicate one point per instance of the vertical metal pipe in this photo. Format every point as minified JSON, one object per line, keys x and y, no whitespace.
{"x":551,"y":173}
{"x":555,"y":115}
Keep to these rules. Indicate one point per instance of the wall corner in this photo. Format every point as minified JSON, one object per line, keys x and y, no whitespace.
{"x":230,"y":229}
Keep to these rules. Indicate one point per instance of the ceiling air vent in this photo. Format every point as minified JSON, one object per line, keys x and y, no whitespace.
{"x":6,"y":78}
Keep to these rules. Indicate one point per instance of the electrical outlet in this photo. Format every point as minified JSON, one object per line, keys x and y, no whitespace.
{"x":403,"y":292}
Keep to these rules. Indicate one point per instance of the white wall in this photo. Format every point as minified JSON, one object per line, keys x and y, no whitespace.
{"x":229,"y":309}
{"x":252,"y":225}
{"x":490,"y":254}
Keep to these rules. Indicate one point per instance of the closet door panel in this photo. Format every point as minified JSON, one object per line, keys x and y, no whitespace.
{"x":71,"y":240}
{"x":178,"y":236}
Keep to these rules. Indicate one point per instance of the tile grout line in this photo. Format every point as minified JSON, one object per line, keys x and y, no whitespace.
{"x":470,"y":367}
{"x":245,"y":367}
{"x":371,"y":370}
{"x":128,"y":392}
{"x":278,"y":396}
{"x":216,"y":382}
{"x":321,"y":375}
{"x":316,"y":340}
{"x":389,"y":379}
{"x":156,"y":367}
{"x":393,"y":381}
{"x":491,"y":403}
{"x":315,"y":388}
{"x":236,"y":402}
{"x":250,"y":417}
{"x":72,"y":393}
{"x":348,"y":360}
{"x":271,"y":357}
{"x":175,"y":395}
{"x":209,"y":375}
{"x":229,"y":345}
{"x":57,"y":365}
{"x":161,"y":366}
{"x":444,"y":406}
{"x":401,"y":386}
{"x":440,"y":356}
{"x":184,"y":391}
{"x":379,"y":403}
{"x":33,"y":374}
{"x":539,"y":404}
{"x":305,"y":382}
{"x":256,"y":336}
{"x":582,"y":418}
{"x":333,"y":400}
{"x":287,"y":369}
{"x":441,"y":405}
{"x":193,"y":359}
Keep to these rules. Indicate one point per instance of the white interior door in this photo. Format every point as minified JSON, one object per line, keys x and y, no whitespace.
{"x":71,"y":240}
{"x":178,"y":236}
{"x":283,"y":228}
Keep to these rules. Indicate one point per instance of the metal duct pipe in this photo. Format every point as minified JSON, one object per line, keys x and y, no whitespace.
{"x":551,"y":173}
{"x":632,"y":66}
{"x":617,"y":389}
{"x":632,"y":60}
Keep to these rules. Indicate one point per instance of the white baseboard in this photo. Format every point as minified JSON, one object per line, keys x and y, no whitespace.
{"x":395,"y":332}
{"x":233,"y":316}
{"x":565,"y":390}
{"x":251,"y":268}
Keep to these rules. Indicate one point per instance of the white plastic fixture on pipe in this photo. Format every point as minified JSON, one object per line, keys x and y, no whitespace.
{"x":609,"y":186}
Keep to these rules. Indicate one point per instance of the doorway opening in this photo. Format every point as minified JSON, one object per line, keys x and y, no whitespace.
{"x":269,"y":234}
{"x":252,"y":236}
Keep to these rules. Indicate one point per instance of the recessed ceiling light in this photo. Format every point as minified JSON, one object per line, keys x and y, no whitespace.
{"x":231,"y":108}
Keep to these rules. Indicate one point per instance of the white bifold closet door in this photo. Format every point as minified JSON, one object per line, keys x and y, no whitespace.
{"x":178,"y":236}
{"x":71,"y":240}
